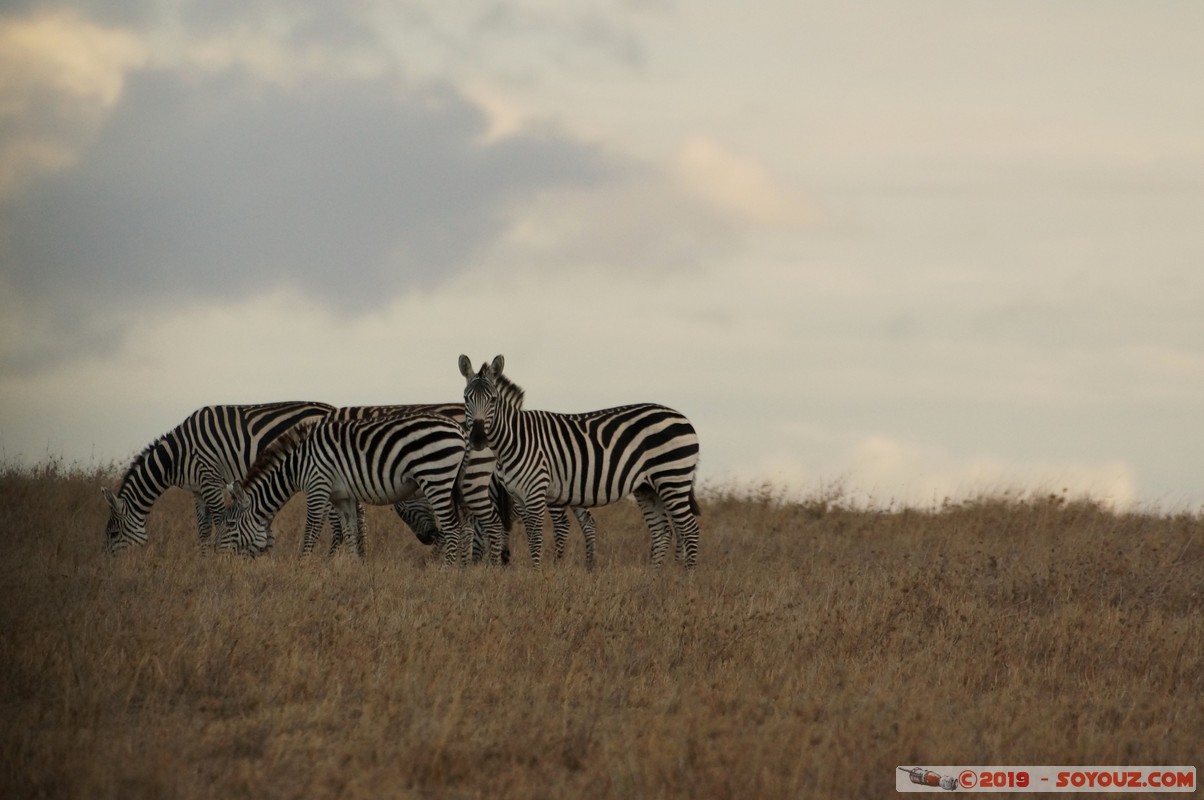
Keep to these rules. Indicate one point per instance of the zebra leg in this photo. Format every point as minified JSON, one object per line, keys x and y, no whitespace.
{"x":210,"y":504}
{"x":534,"y":510}
{"x":337,"y":534}
{"x":439,"y":548}
{"x":450,"y":522}
{"x":683,"y":511}
{"x":560,"y":530}
{"x":658,"y":523}
{"x":316,"y":507}
{"x":482,"y":500}
{"x":202,"y":519}
{"x":268,"y":543}
{"x":480,"y":542}
{"x":588,"y":529}
{"x":499,"y":541}
{"x":361,"y":532}
{"x":349,"y":519}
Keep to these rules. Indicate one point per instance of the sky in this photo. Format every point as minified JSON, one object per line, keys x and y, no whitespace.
{"x":896,"y":252}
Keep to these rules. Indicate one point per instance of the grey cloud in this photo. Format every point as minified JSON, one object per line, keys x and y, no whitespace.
{"x":620,"y":41}
{"x":567,"y":39}
{"x":208,"y":186}
{"x":109,"y":12}
{"x":332,"y":23}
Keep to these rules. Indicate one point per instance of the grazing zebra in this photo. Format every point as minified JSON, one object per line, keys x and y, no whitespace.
{"x":589,"y":459}
{"x":211,"y":447}
{"x":416,"y":512}
{"x":215,"y":445}
{"x":344,"y":463}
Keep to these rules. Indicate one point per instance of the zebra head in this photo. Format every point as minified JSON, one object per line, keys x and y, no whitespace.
{"x":124,"y":528}
{"x":246,"y":530}
{"x":480,"y":399}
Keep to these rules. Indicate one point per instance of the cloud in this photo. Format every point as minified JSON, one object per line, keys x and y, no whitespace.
{"x":59,"y":74}
{"x":640,"y":223}
{"x":699,"y":211}
{"x":739,"y":185}
{"x":213,"y":185}
{"x":254,"y":155}
{"x":565,"y":34}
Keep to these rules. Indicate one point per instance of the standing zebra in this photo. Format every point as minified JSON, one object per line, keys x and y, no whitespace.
{"x":589,"y":459}
{"x":347,"y":462}
{"x":211,"y":447}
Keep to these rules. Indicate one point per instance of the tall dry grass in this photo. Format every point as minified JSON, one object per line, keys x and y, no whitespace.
{"x":815,"y":648}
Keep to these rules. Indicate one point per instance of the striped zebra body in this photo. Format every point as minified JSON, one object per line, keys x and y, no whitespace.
{"x":343,"y":463}
{"x":489,"y":526}
{"x":586,"y":460}
{"x":213,"y":446}
{"x":415,"y":512}
{"x":478,"y":497}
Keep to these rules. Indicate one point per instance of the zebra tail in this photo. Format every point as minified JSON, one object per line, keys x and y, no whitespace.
{"x":694,"y":504}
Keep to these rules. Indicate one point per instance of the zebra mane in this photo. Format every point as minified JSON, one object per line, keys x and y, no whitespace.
{"x":509,"y":393}
{"x":277,"y":451}
{"x":140,"y":459}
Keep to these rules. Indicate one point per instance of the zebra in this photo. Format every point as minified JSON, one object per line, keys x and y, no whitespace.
{"x":416,"y":512}
{"x":343,"y":463}
{"x":589,"y":459}
{"x":213,"y":445}
{"x":487,"y":512}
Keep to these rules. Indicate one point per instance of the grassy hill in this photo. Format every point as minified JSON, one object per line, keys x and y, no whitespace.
{"x":816,"y":647}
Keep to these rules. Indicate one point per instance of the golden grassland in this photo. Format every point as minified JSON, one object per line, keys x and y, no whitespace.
{"x":816,"y":647}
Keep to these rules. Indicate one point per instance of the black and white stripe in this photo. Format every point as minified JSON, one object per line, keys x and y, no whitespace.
{"x":215,"y":446}
{"x":490,"y":524}
{"x":586,"y":460}
{"x":343,"y":463}
{"x":211,"y":447}
{"x":416,"y":512}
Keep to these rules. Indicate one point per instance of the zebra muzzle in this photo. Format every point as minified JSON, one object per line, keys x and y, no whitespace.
{"x":476,"y":436}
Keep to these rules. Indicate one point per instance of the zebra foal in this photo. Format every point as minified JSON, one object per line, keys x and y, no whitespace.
{"x":588,"y":459}
{"x":343,"y":463}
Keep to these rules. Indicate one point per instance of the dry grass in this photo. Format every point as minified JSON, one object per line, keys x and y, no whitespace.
{"x":814,"y":649}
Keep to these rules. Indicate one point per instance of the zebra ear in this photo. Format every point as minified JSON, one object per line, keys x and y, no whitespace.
{"x":237,"y":493}
{"x":466,"y":366}
{"x":110,"y":498}
{"x":495,"y":368}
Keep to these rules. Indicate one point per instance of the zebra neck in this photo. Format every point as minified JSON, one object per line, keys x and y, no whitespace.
{"x":139,"y":497}
{"x":273,"y":490}
{"x":155,"y":471}
{"x":504,"y":434}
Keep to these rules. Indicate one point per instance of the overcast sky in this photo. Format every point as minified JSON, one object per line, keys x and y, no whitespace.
{"x":917,"y":250}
